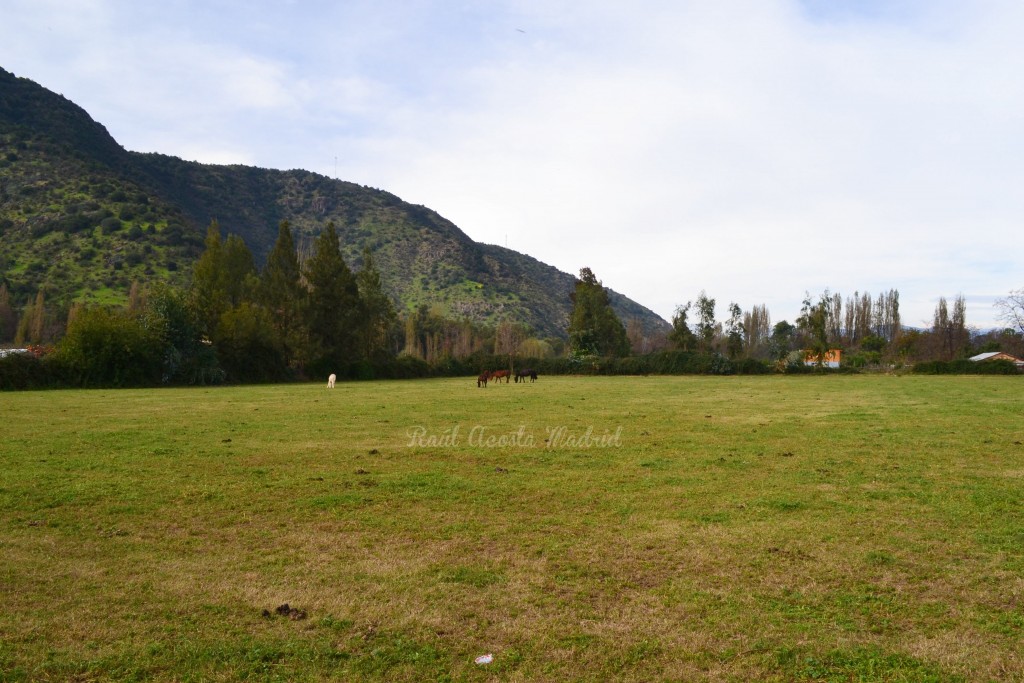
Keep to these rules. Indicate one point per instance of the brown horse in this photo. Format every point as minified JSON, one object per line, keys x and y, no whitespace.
{"x":497,"y":375}
{"x":481,"y":381}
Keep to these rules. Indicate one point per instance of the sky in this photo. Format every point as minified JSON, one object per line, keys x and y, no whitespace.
{"x":758,"y":150}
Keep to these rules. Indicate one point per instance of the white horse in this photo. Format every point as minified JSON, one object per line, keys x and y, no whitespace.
{"x":330,"y":380}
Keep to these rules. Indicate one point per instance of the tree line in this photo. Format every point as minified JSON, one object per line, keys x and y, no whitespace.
{"x":307,"y":317}
{"x":297,"y":317}
{"x":868,"y":329}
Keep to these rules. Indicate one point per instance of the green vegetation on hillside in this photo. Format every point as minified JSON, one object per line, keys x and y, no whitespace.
{"x":77,"y":231}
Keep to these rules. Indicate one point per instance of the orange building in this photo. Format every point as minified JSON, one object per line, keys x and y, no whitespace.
{"x":831,"y":359}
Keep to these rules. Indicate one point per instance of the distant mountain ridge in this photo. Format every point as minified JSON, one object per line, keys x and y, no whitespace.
{"x":83,"y":217}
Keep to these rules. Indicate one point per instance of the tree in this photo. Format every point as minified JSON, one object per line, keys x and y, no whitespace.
{"x":248,"y":346}
{"x":782,"y":340}
{"x":887,"y":315}
{"x":186,"y":358}
{"x":113,"y":348}
{"x":640,"y":340}
{"x":32,"y":325}
{"x":237,"y":271}
{"x":705,"y":322}
{"x":681,"y":335}
{"x":208,"y":295}
{"x":379,"y":311}
{"x":508,"y":337}
{"x":334,"y":312}
{"x":1011,"y":310}
{"x":950,"y":330}
{"x":8,"y":319}
{"x":757,"y":325}
{"x":282,"y":293}
{"x":813,"y":323}
{"x":593,"y":326}
{"x":136,"y":297}
{"x":734,"y":332}
{"x":862,"y":318}
{"x":222,"y":277}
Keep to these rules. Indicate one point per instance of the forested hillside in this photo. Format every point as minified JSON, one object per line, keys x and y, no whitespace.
{"x":81,"y":219}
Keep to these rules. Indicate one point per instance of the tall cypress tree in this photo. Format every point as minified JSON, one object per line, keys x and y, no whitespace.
{"x":208,"y":296}
{"x":222,"y":279}
{"x":593,"y":326}
{"x":335,"y":312}
{"x":237,"y":271}
{"x":379,"y":311}
{"x":281,"y":291}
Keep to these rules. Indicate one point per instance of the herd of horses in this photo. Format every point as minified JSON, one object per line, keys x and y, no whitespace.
{"x":481,"y":381}
{"x":498,"y":375}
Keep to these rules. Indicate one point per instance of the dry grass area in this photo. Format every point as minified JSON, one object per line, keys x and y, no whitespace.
{"x":836,"y":528}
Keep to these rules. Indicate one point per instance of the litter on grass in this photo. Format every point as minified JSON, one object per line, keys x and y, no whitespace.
{"x":484,"y":659}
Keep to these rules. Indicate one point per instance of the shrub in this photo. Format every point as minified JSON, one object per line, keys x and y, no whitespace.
{"x":112,"y":348}
{"x":965,"y":367}
{"x":752,"y":366}
{"x":28,"y":371}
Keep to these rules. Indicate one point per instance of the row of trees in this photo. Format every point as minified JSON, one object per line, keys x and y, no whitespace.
{"x":233,"y":321}
{"x":869,"y":329}
{"x":316,"y":315}
{"x":300,"y":315}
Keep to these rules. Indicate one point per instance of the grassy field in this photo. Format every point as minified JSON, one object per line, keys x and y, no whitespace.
{"x":837,"y":528}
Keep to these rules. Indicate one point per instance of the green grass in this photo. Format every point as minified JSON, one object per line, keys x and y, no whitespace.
{"x":840,"y":528}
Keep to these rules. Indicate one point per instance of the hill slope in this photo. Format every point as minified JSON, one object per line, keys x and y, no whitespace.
{"x":83,"y":217}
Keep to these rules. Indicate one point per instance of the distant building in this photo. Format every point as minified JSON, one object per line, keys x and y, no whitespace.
{"x":997,"y":355}
{"x":831,"y":359}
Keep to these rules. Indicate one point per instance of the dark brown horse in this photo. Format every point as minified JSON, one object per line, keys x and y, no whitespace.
{"x":481,"y":381}
{"x":498,"y":375}
{"x":523,"y":374}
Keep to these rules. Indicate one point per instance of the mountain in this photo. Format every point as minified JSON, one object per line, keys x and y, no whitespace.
{"x":83,"y":218}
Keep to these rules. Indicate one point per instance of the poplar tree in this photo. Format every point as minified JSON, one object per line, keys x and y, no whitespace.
{"x":757,"y":329}
{"x":32,"y":326}
{"x":950,"y":329}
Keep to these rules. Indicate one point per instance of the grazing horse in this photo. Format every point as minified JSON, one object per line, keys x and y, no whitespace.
{"x":481,"y":381}
{"x":330,"y":380}
{"x":497,"y":375}
{"x":523,"y":374}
